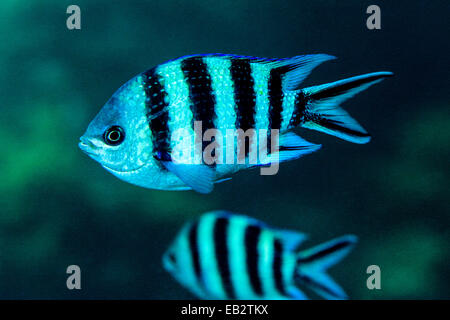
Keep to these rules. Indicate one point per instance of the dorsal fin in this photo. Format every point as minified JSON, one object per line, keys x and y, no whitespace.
{"x":291,"y":239}
{"x":294,"y":69}
{"x":297,"y":68}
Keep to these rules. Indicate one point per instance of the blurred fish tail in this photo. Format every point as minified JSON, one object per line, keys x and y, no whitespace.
{"x":313,"y":263}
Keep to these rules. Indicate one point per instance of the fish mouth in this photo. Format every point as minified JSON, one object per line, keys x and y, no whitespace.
{"x":94,"y":152}
{"x":87,"y":147}
{"x":167,"y":264}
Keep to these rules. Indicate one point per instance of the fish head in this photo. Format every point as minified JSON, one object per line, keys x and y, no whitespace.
{"x":175,"y":257}
{"x":119,"y":137}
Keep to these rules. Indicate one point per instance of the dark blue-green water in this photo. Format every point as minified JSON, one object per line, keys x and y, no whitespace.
{"x":59,"y":208}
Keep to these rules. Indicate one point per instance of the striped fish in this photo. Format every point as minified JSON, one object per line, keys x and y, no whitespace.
{"x":228,"y":256}
{"x":176,"y":126}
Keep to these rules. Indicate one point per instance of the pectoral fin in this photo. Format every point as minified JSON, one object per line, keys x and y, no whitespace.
{"x":197,"y":176}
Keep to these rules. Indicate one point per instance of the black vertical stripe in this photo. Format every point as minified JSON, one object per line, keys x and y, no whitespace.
{"x":299,"y":109}
{"x":277,"y":266}
{"x":201,"y":94}
{"x":275,"y":101}
{"x":156,"y":104}
{"x":193,"y":246}
{"x":252,"y":236}
{"x":222,"y":255}
{"x":244,"y":96}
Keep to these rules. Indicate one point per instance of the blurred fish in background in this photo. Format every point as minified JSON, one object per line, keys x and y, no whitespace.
{"x":223,"y":255}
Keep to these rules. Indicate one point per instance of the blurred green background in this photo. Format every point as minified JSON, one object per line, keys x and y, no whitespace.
{"x":58,"y":207}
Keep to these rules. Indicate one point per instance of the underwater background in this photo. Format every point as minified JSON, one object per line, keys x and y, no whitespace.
{"x":59,"y":207}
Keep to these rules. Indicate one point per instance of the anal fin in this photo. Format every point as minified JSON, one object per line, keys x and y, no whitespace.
{"x":291,"y":147}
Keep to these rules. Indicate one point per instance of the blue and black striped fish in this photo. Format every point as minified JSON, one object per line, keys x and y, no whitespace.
{"x":153,"y":132}
{"x":228,"y":256}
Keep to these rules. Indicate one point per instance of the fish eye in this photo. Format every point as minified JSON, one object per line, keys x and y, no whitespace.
{"x":114,"y":136}
{"x":172,"y":258}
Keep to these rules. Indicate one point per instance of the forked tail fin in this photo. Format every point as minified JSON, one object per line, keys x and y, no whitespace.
{"x":313,"y":263}
{"x":323,"y":112}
